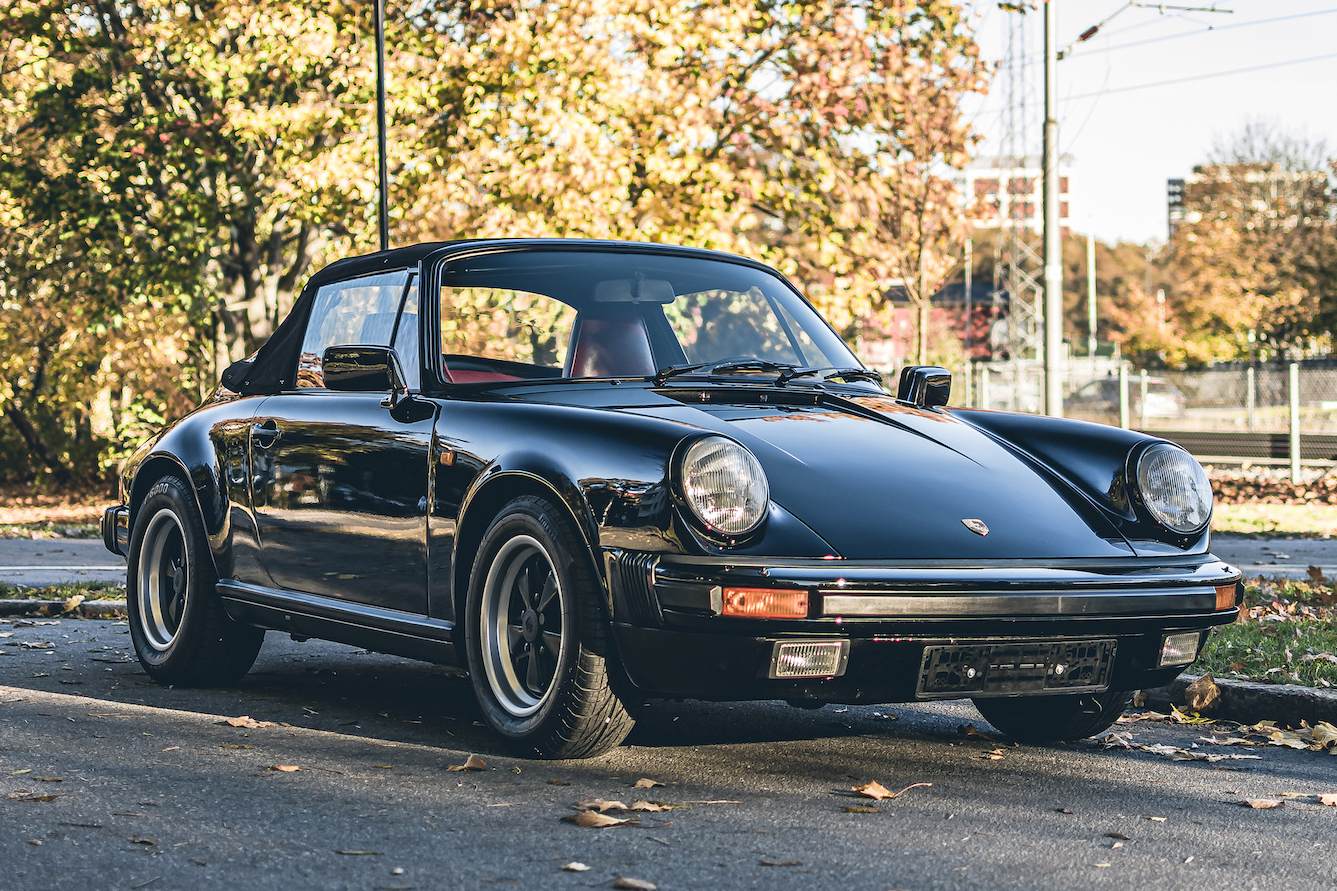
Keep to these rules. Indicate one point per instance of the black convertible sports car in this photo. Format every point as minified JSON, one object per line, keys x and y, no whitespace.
{"x":595,"y":472}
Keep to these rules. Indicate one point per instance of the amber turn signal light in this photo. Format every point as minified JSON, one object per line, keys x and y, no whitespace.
{"x":1225,"y":596}
{"x":765,"y":603}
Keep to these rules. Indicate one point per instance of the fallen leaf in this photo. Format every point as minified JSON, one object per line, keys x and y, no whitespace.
{"x":1063,"y":810}
{"x":1261,"y":804}
{"x":247,"y":722}
{"x":558,"y":783}
{"x":968,"y":731}
{"x":39,"y":798}
{"x":1119,"y":835}
{"x":648,"y":806}
{"x":779,"y":862}
{"x":628,"y":884}
{"x":859,"y":809}
{"x":1202,"y":694}
{"x":1328,"y":798}
{"x":286,"y":768}
{"x":575,"y":866}
{"x":644,"y":783}
{"x":873,"y":790}
{"x":1155,"y":819}
{"x":473,"y":762}
{"x":600,"y":805}
{"x":596,"y":820}
{"x":148,"y":842}
{"x":48,"y":779}
{"x":1102,"y":866}
{"x":995,"y":755}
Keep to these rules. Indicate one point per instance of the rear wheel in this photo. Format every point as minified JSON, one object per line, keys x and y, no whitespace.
{"x":177,"y":623}
{"x":1039,"y":719}
{"x":538,"y":645}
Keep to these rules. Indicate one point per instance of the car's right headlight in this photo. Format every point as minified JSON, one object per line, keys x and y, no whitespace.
{"x":724,"y":485}
{"x":1174,"y":488}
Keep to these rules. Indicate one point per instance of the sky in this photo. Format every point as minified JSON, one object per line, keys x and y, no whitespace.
{"x":1127,"y":138}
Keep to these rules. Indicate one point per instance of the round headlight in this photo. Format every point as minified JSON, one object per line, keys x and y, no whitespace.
{"x":724,"y":485}
{"x":1175,"y":488}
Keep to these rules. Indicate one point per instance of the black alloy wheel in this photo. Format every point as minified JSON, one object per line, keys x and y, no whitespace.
{"x":539,"y":650}
{"x":180,"y":631}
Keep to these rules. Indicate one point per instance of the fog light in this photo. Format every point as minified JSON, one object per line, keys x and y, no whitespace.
{"x":809,"y":659}
{"x":1180,"y":649}
{"x":765,"y":603}
{"x":1225,"y":596}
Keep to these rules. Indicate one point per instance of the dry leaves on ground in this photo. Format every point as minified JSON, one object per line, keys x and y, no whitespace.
{"x":246,"y":722}
{"x":285,"y":768}
{"x":645,"y":783}
{"x":1125,"y":740}
{"x":879,"y":792}
{"x":575,"y":866}
{"x":629,"y":884}
{"x":1202,"y":694}
{"x":473,"y":762}
{"x":596,"y":820}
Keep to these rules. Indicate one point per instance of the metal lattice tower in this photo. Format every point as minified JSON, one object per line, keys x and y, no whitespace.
{"x":1020,"y":264}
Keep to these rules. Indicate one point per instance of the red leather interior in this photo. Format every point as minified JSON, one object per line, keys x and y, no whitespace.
{"x":611,"y":347}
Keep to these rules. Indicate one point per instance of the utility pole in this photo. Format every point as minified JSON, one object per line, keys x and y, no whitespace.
{"x":1091,"y":300}
{"x":1053,"y":258}
{"x":970,"y":311}
{"x":383,"y":176}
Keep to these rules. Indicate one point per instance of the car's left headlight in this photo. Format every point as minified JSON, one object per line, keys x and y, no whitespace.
{"x":1174,"y":488}
{"x":724,"y":485}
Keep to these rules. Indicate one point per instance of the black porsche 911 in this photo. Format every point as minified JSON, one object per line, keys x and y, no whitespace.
{"x":597,"y":472}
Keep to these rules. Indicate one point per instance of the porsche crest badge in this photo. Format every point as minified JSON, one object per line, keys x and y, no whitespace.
{"x":975,"y":526}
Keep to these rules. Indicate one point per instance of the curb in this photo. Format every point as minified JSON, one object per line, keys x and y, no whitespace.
{"x":46,"y":609}
{"x":1248,"y":702}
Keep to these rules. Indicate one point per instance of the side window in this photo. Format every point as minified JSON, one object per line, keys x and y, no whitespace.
{"x":357,"y":311}
{"x":506,"y":325}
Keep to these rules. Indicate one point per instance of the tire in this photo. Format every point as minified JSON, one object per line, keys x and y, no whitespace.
{"x":539,"y":652}
{"x":180,"y":631}
{"x":1041,"y":719}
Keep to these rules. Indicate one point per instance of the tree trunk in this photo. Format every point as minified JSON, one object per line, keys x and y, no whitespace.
{"x":37,"y":448}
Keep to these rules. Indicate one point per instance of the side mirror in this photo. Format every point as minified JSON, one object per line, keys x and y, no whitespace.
{"x":364,"y":369}
{"x":925,"y":386}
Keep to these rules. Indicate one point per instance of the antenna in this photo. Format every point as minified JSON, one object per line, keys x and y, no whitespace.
{"x":383,"y":176}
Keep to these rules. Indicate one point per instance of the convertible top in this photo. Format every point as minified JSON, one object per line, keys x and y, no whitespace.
{"x":271,"y":369}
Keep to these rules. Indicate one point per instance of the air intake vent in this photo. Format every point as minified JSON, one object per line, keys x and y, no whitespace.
{"x":635,"y":585}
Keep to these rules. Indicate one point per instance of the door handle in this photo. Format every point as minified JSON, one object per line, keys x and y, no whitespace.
{"x":265,"y":434}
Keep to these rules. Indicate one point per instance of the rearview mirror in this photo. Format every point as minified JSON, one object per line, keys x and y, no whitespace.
{"x":364,"y":369}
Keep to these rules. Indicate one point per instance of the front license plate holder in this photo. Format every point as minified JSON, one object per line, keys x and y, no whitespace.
{"x":1009,"y":668}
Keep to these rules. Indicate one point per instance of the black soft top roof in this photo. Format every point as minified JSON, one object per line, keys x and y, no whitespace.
{"x":276,"y":361}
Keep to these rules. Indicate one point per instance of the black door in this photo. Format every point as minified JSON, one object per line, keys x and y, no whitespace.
{"x":340,"y":496}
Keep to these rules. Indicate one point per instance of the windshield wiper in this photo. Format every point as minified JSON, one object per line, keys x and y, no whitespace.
{"x":723,"y":366}
{"x":848,"y":374}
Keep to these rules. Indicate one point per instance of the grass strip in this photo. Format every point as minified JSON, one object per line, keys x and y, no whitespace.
{"x":1287,"y":634}
{"x":89,"y":590}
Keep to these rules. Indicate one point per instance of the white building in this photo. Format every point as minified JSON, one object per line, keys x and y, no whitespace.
{"x":996,"y":190}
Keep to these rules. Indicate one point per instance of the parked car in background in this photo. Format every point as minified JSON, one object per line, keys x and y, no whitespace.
{"x":1100,"y":397}
{"x":597,"y":472}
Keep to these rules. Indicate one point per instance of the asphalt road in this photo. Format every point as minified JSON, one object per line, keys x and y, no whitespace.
{"x":52,"y":561}
{"x":154,"y":792}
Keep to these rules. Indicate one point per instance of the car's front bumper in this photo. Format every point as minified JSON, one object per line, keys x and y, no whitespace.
{"x":673,"y":639}
{"x":116,"y":529}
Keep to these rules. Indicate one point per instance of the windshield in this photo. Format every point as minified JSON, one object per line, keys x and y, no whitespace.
{"x":591,"y":314}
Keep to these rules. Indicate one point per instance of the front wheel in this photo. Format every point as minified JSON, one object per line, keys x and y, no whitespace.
{"x":538,"y":645}
{"x":180,"y":631}
{"x":1041,"y":719}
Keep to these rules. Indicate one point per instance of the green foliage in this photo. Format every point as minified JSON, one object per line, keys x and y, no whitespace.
{"x":1288,"y":636}
{"x":170,"y":172}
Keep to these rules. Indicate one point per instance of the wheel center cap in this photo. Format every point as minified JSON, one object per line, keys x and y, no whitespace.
{"x":178,"y":581}
{"x":529,"y":625}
